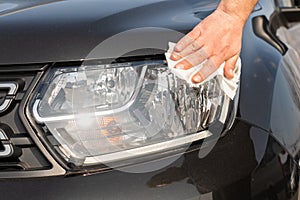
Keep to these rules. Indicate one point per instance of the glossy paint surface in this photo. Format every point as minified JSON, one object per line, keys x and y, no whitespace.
{"x":69,"y":30}
{"x":254,"y":167}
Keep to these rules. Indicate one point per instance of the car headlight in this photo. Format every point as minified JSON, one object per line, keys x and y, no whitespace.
{"x":101,"y":113}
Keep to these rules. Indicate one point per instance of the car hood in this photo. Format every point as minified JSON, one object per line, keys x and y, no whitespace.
{"x":53,"y":31}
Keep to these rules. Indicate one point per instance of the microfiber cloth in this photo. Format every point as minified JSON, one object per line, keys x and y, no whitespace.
{"x":229,"y":86}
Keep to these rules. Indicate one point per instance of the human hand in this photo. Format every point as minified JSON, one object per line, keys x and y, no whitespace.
{"x":218,"y":39}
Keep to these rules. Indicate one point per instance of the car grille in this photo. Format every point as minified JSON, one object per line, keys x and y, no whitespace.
{"x":19,"y":151}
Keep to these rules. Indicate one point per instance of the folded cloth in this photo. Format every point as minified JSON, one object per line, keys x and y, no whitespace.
{"x":229,"y":86}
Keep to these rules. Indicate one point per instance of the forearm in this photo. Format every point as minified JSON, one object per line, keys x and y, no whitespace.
{"x":239,"y":8}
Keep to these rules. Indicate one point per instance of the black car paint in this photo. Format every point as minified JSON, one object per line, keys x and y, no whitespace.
{"x":245,"y":164}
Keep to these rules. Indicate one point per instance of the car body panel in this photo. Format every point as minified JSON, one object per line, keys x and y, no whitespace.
{"x":256,"y":159}
{"x":72,"y":34}
{"x":217,"y":176}
{"x":78,"y":26}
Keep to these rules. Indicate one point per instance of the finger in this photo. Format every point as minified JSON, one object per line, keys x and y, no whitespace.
{"x":188,"y":39}
{"x":229,"y":66}
{"x":209,"y":67}
{"x":191,"y":48}
{"x":193,"y":59}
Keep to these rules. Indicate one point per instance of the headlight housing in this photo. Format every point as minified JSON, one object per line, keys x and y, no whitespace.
{"x":102,"y":113}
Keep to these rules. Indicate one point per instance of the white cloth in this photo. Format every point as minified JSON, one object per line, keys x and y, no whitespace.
{"x":229,"y":86}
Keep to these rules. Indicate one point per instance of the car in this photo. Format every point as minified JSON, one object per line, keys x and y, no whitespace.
{"x":90,"y":110}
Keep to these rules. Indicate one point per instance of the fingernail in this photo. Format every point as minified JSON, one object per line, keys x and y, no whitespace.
{"x":231,"y":72}
{"x":197,"y":78}
{"x":179,"y":66}
{"x":175,"y":56}
{"x":178,"y":47}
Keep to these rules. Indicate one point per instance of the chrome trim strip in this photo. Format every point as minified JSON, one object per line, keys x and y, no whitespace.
{"x":8,"y":150}
{"x":149,"y":149}
{"x":13,"y":87}
{"x":2,"y":135}
{"x":225,"y":107}
{"x":5,"y":104}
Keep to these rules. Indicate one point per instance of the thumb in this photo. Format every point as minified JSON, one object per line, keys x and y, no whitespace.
{"x":229,"y":66}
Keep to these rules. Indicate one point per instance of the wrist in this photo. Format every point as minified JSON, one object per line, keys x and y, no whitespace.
{"x":237,"y":9}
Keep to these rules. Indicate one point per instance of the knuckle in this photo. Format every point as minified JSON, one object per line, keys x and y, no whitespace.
{"x":194,"y":33}
{"x":202,"y":54}
{"x":208,"y":50}
{"x":200,"y":57}
{"x":191,"y":60}
{"x":194,"y":46}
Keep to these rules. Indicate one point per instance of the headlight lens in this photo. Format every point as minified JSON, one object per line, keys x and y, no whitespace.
{"x":107,"y":112}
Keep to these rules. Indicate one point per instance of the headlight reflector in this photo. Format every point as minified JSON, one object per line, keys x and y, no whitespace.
{"x":108,"y":112}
